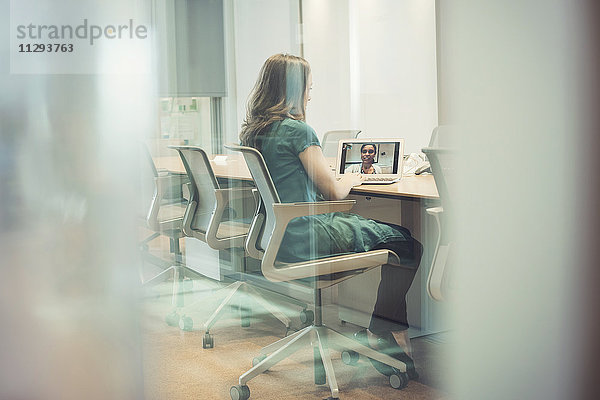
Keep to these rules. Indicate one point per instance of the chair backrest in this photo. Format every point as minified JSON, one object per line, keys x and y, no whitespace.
{"x":264,"y":184}
{"x":148,"y":159}
{"x":442,"y":162}
{"x":439,"y":281}
{"x":202,"y":185}
{"x":148,"y":186}
{"x":332,"y":138}
{"x":442,"y":136}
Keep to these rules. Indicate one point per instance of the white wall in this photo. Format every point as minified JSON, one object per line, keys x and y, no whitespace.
{"x":374,"y":67}
{"x":326,"y":47}
{"x":261,"y":28}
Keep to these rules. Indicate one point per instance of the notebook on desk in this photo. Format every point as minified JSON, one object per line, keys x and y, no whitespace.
{"x":378,"y":160}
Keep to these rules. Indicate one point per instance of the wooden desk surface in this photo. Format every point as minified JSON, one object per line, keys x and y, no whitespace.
{"x":422,"y":186}
{"x":234,"y":167}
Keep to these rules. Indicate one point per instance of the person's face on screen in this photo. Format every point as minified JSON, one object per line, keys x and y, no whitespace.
{"x":367,"y":154}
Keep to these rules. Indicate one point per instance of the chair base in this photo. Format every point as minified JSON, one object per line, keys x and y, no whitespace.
{"x":178,"y":272}
{"x":230,"y":294}
{"x":321,"y":338}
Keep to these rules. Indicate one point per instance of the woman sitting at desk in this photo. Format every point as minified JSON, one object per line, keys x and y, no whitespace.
{"x":367,"y":156}
{"x":275,"y":125}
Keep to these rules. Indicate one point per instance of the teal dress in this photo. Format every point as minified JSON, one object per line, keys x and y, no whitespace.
{"x":322,"y":235}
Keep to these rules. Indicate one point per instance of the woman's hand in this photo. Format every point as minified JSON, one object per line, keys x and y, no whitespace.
{"x":353,"y":179}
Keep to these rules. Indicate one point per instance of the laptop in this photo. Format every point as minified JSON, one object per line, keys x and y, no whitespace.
{"x":378,"y":160}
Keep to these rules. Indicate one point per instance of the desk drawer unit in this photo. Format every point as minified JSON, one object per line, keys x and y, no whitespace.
{"x":356,"y":297}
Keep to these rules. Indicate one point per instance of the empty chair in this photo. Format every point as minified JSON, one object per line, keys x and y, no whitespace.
{"x":165,"y":217}
{"x":442,"y":166}
{"x":264,"y":240}
{"x":209,"y":218}
{"x":441,"y":136}
{"x":331,"y":140}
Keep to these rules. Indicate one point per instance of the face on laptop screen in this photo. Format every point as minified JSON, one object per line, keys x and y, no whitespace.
{"x":369,"y":158}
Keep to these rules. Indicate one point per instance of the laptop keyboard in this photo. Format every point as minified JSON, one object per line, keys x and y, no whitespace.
{"x":381,"y":179}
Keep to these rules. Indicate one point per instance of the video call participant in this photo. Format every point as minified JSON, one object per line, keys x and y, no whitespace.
{"x":367,"y":155}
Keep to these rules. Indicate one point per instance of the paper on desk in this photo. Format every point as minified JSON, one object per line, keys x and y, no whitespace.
{"x":220,"y":160}
{"x":412,"y":162}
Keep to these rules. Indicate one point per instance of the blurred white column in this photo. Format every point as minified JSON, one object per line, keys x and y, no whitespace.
{"x":511,"y":78}
{"x":68,"y":171}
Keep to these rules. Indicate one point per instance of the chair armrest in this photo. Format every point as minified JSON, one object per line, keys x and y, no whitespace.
{"x":285,"y":212}
{"x":437,"y":269}
{"x":227,"y":195}
{"x":435,"y":211}
{"x":224,"y":197}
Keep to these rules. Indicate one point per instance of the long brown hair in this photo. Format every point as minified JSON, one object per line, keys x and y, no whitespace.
{"x":279,"y":93}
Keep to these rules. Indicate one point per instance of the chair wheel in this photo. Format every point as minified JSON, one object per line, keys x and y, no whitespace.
{"x":239,"y":392}
{"x":172,"y":319}
{"x":186,"y":323}
{"x":245,"y":315}
{"x":399,"y":380}
{"x":350,"y":357}
{"x":207,"y":341}
{"x":258,"y":359}
{"x":307,"y":316}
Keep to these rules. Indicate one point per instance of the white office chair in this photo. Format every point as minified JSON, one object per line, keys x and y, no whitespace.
{"x":331,"y":139}
{"x":264,"y":240}
{"x":209,"y":218}
{"x":439,"y":285}
{"x":165,"y":217}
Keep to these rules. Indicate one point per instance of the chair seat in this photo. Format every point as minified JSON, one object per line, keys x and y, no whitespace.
{"x":232,"y":228}
{"x":171,"y":213}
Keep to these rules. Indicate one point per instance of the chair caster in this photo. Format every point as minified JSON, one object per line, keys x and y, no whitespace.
{"x":399,"y":380}
{"x":245,"y":315}
{"x":350,"y":357}
{"x":172,"y":319}
{"x":207,"y":341}
{"x":186,"y":323}
{"x":307,"y":317}
{"x":239,"y":392}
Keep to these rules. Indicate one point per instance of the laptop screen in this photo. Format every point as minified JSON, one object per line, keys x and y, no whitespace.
{"x":374,"y":156}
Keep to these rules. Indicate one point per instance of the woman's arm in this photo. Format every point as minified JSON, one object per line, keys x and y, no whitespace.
{"x":318,"y":171}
